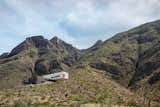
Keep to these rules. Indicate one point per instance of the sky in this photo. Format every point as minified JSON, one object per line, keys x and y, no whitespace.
{"x":78,"y":22}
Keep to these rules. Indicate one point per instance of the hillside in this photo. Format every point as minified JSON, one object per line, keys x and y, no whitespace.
{"x":86,"y":85}
{"x":34,"y":57}
{"x":125,"y":67}
{"x":130,"y":58}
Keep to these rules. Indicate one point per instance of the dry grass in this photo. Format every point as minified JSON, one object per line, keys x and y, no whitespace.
{"x":85,"y":85}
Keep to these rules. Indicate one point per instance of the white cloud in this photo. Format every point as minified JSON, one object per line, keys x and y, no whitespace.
{"x":79,"y":22}
{"x":34,"y":22}
{"x":125,"y":12}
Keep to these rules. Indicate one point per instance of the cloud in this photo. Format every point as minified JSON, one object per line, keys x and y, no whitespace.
{"x":116,"y":13}
{"x":79,"y":22}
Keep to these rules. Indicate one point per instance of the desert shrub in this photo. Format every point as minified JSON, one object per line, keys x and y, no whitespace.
{"x":20,"y":104}
{"x":133,"y":104}
{"x":101,"y":98}
{"x":75,"y":104}
{"x":45,"y":104}
{"x":119,"y":100}
{"x":77,"y":98}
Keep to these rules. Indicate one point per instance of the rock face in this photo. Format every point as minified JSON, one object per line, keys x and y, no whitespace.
{"x":4,"y":55}
{"x":36,"y":56}
{"x":95,"y":46}
{"x":130,"y":58}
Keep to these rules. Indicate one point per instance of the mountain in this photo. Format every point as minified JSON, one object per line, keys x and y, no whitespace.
{"x":4,"y":55}
{"x":95,"y":46}
{"x":34,"y":57}
{"x":129,"y":60}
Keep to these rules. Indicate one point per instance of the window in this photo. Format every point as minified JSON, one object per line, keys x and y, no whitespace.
{"x":56,"y":76}
{"x":63,"y":75}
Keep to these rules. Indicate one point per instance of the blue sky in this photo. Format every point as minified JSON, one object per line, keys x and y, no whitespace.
{"x":79,"y":22}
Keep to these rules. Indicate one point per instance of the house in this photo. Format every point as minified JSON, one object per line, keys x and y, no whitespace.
{"x":57,"y":76}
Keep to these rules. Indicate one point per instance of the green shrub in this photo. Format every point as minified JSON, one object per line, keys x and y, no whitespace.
{"x":77,"y":98}
{"x":101,"y":98}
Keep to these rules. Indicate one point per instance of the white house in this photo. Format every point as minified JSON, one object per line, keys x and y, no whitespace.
{"x":57,"y":76}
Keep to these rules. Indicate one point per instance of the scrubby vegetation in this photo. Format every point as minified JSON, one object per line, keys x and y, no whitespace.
{"x":84,"y":86}
{"x":123,"y":70}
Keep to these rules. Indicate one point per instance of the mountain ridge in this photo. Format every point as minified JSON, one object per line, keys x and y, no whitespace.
{"x":38,"y":56}
{"x":131,"y":59}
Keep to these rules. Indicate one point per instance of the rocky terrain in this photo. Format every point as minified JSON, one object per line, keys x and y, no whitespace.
{"x":130,"y":59}
{"x":34,"y":57}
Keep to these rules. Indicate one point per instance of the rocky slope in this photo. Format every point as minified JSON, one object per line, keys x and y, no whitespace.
{"x":86,"y":85}
{"x":34,"y":57}
{"x":130,"y":58}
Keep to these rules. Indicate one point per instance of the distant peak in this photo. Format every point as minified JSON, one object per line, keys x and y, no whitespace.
{"x":56,"y":40}
{"x":4,"y":55}
{"x":35,"y":37}
{"x":98,"y":42}
{"x":96,"y":45}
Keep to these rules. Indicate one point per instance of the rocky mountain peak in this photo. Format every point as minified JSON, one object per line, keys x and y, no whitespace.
{"x":31,"y":42}
{"x":130,"y":58}
{"x":35,"y":37}
{"x":4,"y":55}
{"x":38,"y":41}
{"x":60,"y":44}
{"x":99,"y":42}
{"x":55,"y":38}
{"x":56,"y":41}
{"x":96,"y":45}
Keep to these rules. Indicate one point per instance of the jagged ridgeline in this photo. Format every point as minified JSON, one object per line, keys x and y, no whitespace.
{"x":130,"y":58}
{"x":35,"y":56}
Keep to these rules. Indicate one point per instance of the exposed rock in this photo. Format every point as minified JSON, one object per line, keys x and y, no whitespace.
{"x":4,"y":55}
{"x":96,"y":45}
{"x":130,"y":58}
{"x":133,"y":57}
{"x":42,"y":56}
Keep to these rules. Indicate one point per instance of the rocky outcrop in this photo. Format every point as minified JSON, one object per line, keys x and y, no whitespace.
{"x":131,"y":58}
{"x":4,"y":55}
{"x":37,"y":56}
{"x":95,"y":46}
